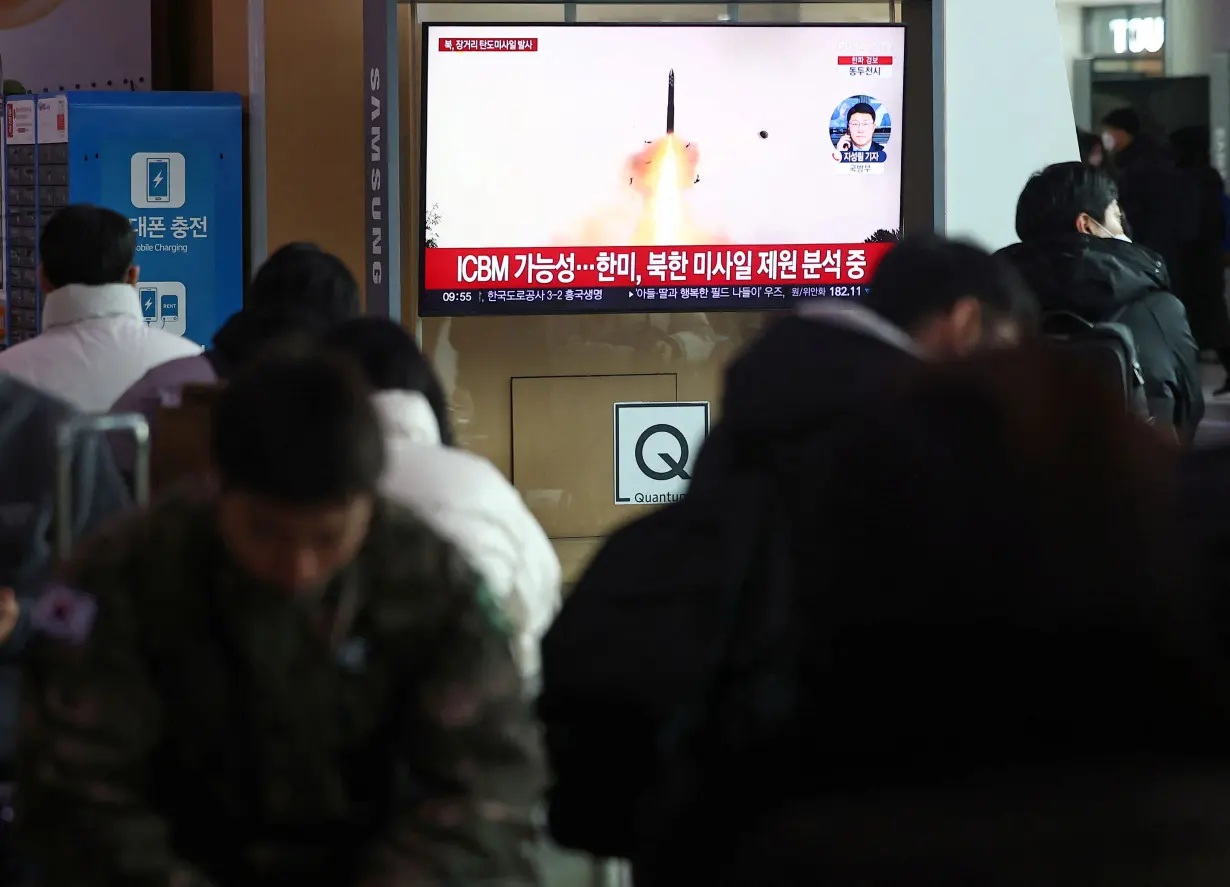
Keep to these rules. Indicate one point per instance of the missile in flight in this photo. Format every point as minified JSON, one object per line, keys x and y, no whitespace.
{"x":670,"y":102}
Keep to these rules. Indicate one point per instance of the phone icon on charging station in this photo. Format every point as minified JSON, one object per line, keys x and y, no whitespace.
{"x":149,"y":303}
{"x":158,"y":179}
{"x":169,"y":307}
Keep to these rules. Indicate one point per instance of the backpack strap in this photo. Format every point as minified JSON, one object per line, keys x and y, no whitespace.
{"x":1066,"y":316}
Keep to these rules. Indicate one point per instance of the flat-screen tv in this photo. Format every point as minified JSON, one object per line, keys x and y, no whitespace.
{"x":625,"y":168}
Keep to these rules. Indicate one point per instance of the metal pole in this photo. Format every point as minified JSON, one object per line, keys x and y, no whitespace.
{"x":258,"y":194}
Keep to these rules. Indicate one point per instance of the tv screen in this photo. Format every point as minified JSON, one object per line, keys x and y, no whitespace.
{"x":627,"y":168}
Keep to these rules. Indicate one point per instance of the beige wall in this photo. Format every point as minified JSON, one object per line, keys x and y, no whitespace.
{"x":314,"y":124}
{"x":313,"y":102}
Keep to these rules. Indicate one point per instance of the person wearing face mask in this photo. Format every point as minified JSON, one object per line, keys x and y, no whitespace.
{"x":1093,"y":151}
{"x":1077,"y":258}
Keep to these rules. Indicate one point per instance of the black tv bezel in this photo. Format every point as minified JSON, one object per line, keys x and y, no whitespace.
{"x":681,"y":307}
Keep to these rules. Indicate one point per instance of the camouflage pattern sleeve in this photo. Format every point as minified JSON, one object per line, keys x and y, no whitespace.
{"x":90,"y":719}
{"x":470,"y":771}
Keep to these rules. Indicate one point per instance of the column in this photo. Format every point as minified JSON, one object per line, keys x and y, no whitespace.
{"x":1002,"y":111}
{"x":1195,"y":29}
{"x":316,"y":114}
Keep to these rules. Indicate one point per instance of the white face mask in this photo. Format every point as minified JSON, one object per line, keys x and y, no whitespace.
{"x":1106,"y":230}
{"x":1108,"y":141}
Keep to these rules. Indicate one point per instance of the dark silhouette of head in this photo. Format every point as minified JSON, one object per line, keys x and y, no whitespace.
{"x":951,"y":297}
{"x":1069,"y":197}
{"x":298,"y":450}
{"x":88,"y":246}
{"x":391,"y":361}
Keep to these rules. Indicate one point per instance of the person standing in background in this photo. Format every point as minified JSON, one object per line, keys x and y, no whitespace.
{"x":1156,"y":199}
{"x":1199,"y":274}
{"x":1093,"y":152}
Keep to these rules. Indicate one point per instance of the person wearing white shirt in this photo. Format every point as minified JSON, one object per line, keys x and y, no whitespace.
{"x":94,"y":341}
{"x":462,"y":496}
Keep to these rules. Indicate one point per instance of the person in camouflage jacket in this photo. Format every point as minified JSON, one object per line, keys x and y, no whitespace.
{"x":283,"y":681}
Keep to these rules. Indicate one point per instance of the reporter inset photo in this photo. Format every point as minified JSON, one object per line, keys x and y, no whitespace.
{"x":860,"y":129}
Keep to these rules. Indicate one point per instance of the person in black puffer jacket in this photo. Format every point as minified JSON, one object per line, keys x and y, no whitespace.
{"x":1159,"y":200}
{"x":1076,"y":257}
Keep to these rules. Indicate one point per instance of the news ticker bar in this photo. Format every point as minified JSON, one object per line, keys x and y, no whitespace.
{"x":625,"y":300}
{"x":782,"y":265}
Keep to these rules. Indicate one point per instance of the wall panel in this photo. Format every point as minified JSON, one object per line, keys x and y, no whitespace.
{"x":315,"y":124}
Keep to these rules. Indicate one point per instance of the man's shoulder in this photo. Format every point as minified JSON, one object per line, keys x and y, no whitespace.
{"x":430,"y":475}
{"x":1166,"y":307}
{"x":16,"y":357}
{"x":144,"y":542}
{"x":413,"y":574}
{"x":164,"y":379}
{"x":164,"y":346}
{"x":400,"y":543}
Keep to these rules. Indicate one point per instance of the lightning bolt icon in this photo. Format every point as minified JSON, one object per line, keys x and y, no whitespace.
{"x":158,"y":179}
{"x":149,"y":303}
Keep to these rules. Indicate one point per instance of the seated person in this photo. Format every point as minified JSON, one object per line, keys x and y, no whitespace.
{"x":1075,"y":255}
{"x":463,"y":497}
{"x":931,"y":299}
{"x":300,"y":289}
{"x":29,"y":421}
{"x":1006,"y":677}
{"x":96,"y":339}
{"x":278,"y":679}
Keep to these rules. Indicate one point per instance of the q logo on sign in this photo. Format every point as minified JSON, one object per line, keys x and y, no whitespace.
{"x":656,"y":443}
{"x":676,"y":467}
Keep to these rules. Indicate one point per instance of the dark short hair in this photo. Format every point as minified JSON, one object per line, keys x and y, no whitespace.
{"x":86,"y":245}
{"x":860,"y":108}
{"x":925,"y":276}
{"x":1054,"y":198}
{"x":300,"y":291}
{"x":298,"y":426}
{"x":1125,"y":119}
{"x":391,"y":361}
{"x":302,"y":278}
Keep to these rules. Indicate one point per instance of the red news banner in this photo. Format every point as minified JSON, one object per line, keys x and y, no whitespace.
{"x":633,"y":266}
{"x":489,"y":44}
{"x":858,"y":61}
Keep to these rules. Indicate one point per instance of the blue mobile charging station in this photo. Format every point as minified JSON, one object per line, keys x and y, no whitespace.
{"x":171,"y":162}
